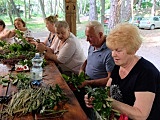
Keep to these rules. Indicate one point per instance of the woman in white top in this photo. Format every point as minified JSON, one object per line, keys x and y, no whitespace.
{"x":19,"y":24}
{"x":67,"y":51}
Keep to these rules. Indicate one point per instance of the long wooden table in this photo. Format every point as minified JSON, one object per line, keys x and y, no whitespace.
{"x":53,"y":76}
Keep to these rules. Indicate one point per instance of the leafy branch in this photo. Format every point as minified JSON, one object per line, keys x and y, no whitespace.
{"x":75,"y":80}
{"x":102,"y":102}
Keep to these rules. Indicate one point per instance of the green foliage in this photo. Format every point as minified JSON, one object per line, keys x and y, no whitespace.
{"x":75,"y":80}
{"x":81,"y":34}
{"x":40,"y":100}
{"x":146,"y":4}
{"x":21,"y":80}
{"x":102,"y":102}
{"x":15,"y":52}
{"x":36,"y":26}
{"x":4,"y":81}
{"x":2,"y":43}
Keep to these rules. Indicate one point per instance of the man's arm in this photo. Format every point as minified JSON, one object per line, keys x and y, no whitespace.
{"x":97,"y":82}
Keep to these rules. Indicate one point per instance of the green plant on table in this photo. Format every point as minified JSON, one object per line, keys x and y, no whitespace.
{"x":45,"y":100}
{"x":21,"y":52}
{"x":40,"y":100}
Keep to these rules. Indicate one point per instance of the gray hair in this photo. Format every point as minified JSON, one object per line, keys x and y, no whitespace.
{"x":96,"y":25}
{"x":60,"y":24}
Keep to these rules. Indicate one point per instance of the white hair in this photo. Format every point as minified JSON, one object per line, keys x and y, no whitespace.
{"x":96,"y":25}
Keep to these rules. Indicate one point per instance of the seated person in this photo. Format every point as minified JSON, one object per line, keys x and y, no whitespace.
{"x":49,"y":21}
{"x":66,"y":49}
{"x":19,"y":24}
{"x":135,"y":82}
{"x":3,"y":30}
{"x":99,"y":63}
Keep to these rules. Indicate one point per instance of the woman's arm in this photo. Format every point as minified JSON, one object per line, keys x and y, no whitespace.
{"x":41,"y":47}
{"x":45,"y":41}
{"x":51,"y":56}
{"x":82,"y":69}
{"x":7,"y":34}
{"x":141,"y":107}
{"x":96,"y":82}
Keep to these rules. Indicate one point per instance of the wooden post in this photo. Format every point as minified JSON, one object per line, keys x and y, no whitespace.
{"x":70,"y":8}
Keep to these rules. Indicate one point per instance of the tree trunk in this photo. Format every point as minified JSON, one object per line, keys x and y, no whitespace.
{"x":63,"y":8}
{"x":84,"y":7}
{"x":29,"y":9}
{"x":9,"y":11}
{"x":126,"y":10}
{"x":42,"y":8}
{"x":139,"y":4}
{"x":51,"y":7}
{"x":153,"y":8}
{"x":14,"y":8}
{"x":114,"y":14}
{"x":25,"y":9}
{"x":93,"y":10}
{"x":55,"y":6}
{"x":77,"y":15}
{"x":102,"y":11}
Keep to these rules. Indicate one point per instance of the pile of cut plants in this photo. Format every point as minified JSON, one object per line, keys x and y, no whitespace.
{"x":45,"y":100}
{"x":18,"y":51}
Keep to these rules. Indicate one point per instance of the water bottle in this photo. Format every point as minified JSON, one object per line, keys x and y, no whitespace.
{"x":36,"y":70}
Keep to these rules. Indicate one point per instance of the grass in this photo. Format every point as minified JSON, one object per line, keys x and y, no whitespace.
{"x":37,"y":24}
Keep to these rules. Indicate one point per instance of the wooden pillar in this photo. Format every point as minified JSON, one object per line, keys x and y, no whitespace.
{"x":70,"y":9}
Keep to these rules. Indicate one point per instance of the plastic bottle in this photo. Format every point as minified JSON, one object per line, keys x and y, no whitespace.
{"x":36,"y":70}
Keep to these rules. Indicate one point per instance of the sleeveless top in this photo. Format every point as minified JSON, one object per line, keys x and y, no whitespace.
{"x":50,"y":39}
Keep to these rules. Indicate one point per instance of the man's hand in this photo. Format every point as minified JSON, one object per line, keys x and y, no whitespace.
{"x":85,"y":83}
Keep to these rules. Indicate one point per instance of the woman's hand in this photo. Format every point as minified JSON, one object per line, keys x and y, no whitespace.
{"x":40,"y":47}
{"x":11,"y":33}
{"x":88,"y":101}
{"x":30,"y":40}
{"x":49,"y":54}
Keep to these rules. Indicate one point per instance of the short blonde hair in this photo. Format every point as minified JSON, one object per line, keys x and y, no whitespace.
{"x":124,"y":35}
{"x":96,"y":25}
{"x":60,"y":24}
{"x":52,"y":19}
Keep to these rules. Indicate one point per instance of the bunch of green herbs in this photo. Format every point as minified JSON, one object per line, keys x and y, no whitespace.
{"x":102,"y":102}
{"x":75,"y":80}
{"x":36,"y":100}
